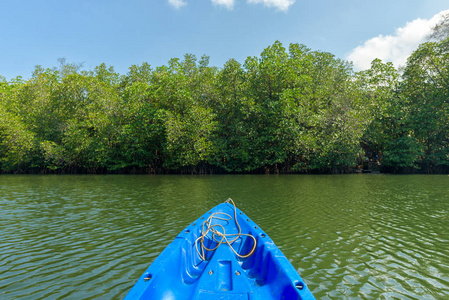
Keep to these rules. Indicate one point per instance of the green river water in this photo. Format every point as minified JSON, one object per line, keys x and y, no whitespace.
{"x":349,"y":236}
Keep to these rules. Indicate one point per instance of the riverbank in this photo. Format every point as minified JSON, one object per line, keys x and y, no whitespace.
{"x":365,"y":168}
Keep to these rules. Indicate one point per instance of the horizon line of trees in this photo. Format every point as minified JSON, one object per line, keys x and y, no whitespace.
{"x":288,"y":110}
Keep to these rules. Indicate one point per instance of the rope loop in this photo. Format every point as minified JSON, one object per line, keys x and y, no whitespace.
{"x":222,"y":236}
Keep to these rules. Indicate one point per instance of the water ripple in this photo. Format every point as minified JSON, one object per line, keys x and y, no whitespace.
{"x":350,"y":237}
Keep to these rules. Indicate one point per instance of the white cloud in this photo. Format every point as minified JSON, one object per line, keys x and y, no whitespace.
{"x":279,"y":4}
{"x":177,"y":3}
{"x":229,"y":4}
{"x":394,"y":48}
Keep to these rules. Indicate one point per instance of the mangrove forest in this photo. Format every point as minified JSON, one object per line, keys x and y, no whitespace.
{"x":289,"y":110}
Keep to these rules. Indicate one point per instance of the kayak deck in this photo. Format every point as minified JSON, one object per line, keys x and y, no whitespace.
{"x":179,"y":272}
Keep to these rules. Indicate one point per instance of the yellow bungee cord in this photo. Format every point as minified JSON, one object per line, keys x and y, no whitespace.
{"x":221,"y":237}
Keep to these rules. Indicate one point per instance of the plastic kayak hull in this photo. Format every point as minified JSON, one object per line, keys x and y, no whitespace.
{"x":179,"y":272}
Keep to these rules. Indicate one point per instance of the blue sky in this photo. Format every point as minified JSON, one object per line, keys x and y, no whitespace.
{"x":122,"y":33}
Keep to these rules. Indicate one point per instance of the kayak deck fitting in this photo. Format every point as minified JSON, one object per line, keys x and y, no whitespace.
{"x":222,"y":255}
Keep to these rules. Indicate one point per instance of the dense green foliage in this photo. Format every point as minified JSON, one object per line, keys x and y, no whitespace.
{"x":292,"y":110}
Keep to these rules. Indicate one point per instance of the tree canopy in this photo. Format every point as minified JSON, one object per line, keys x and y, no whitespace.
{"x":288,"y":110}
